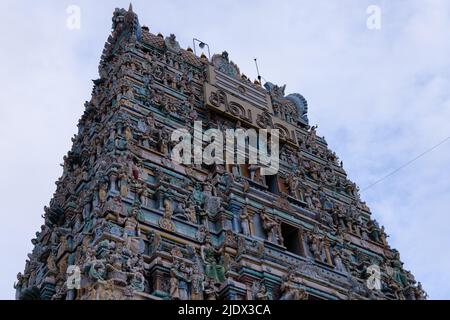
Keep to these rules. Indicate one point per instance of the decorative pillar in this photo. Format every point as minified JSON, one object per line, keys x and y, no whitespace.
{"x":327,"y":252}
{"x":302,"y":241}
{"x":235,"y":207}
{"x":113,"y":182}
{"x":251,"y":225}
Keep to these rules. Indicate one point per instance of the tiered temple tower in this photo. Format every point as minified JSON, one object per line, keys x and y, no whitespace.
{"x":130,"y":223}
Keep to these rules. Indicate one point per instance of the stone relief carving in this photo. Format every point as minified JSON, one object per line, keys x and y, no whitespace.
{"x":119,"y":197}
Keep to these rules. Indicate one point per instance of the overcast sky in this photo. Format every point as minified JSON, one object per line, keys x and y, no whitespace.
{"x":380,"y":97}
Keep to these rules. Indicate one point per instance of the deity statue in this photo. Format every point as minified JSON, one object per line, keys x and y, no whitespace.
{"x":51,"y":264}
{"x":245,"y":221}
{"x":294,"y":184}
{"x":374,"y":230}
{"x":211,"y":258}
{"x":120,"y":145}
{"x":352,"y":215}
{"x":142,"y":193}
{"x":190,"y":212}
{"x":115,"y":205}
{"x":174,"y":291}
{"x":19,"y":284}
{"x":351,"y":188}
{"x":128,"y":133}
{"x":312,"y":136}
{"x":314,"y":171}
{"x":168,"y":208}
{"x":420,"y":293}
{"x":261,"y":292}
{"x":96,"y":269}
{"x":315,"y":243}
{"x":164,"y":141}
{"x":105,"y":291}
{"x":308,"y":195}
{"x":184,"y":280}
{"x":115,"y":265}
{"x":212,"y":204}
{"x":123,"y":182}
{"x":291,"y":291}
{"x":210,"y":290}
{"x":337,"y":261}
{"x":152,"y":126}
{"x":397,"y":266}
{"x":137,"y":282}
{"x":197,"y":283}
{"x":339,"y":216}
{"x":130,"y":223}
{"x":329,"y":177}
{"x":326,"y":204}
{"x":272,"y":227}
{"x":64,"y":245}
{"x":102,"y":192}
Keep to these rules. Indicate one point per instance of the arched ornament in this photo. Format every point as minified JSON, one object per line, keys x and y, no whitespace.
{"x":222,"y":63}
{"x":300,"y":103}
{"x":302,"y":106}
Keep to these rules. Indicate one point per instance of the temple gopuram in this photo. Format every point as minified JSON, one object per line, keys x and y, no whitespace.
{"x":128,"y":223}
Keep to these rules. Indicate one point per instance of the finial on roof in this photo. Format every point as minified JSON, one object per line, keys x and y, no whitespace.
{"x":130,"y":8}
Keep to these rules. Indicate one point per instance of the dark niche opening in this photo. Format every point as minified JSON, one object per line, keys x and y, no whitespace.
{"x":272,"y":183}
{"x":292,"y":239}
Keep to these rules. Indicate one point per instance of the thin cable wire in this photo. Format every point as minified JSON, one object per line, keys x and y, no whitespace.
{"x":406,"y":164}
